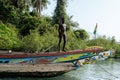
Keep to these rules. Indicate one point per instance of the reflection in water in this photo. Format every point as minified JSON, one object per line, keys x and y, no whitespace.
{"x":103,"y":70}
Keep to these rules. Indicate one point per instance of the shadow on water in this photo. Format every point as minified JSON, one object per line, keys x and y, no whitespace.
{"x":62,"y":77}
{"x":102,"y":70}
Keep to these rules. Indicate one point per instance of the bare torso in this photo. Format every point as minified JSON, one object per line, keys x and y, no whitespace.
{"x":62,"y":29}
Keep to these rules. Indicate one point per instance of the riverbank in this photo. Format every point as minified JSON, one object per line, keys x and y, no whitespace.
{"x":34,"y":70}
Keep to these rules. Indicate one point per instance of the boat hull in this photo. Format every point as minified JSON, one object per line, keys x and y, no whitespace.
{"x":98,"y":57}
{"x":35,"y":70}
{"x":48,"y":57}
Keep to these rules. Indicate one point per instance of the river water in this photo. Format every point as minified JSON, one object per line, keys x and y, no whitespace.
{"x":103,"y":70}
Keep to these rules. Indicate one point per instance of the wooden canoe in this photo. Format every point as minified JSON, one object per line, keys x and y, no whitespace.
{"x":48,"y":57}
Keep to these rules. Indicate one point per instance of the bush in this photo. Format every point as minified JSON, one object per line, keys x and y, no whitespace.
{"x":36,"y":42}
{"x":8,"y":37}
{"x":32,"y":42}
{"x":73,"y":42}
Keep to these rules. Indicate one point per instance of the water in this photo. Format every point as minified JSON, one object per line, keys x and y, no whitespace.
{"x":103,"y":70}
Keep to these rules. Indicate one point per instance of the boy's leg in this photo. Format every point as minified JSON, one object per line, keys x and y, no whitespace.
{"x":64,"y":38}
{"x":60,"y":38}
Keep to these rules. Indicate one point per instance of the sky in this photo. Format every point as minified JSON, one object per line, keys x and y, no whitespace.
{"x":106,"y":13}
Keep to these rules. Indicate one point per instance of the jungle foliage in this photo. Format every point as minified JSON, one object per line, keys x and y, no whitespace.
{"x":23,"y":30}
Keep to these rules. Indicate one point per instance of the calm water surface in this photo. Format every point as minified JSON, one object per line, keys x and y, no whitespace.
{"x":102,"y":70}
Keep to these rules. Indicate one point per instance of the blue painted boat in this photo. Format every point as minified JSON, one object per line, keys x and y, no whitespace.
{"x":98,"y":57}
{"x":49,"y":57}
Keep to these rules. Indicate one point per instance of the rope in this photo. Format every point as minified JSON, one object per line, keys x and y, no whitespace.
{"x":107,"y":71}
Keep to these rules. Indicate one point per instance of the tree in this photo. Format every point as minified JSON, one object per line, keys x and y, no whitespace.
{"x":28,"y":23}
{"x":81,"y":34}
{"x":70,"y":23}
{"x":11,"y":10}
{"x":39,"y":5}
{"x":60,"y":11}
{"x":23,"y":5}
{"x":113,"y":40}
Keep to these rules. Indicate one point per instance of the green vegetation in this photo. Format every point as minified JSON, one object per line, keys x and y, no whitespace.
{"x":23,"y":30}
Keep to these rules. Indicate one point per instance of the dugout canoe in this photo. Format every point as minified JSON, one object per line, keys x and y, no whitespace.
{"x":48,"y":57}
{"x":35,"y":70}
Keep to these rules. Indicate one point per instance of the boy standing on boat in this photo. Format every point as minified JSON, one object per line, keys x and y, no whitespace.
{"x":62,"y":33}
